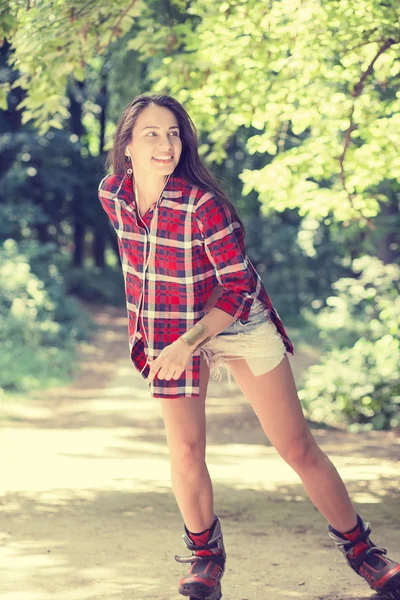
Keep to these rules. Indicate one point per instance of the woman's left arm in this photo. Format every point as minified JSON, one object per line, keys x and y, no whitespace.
{"x":224,"y":246}
{"x":225,"y":249}
{"x":209,"y":326}
{"x":175,"y":357}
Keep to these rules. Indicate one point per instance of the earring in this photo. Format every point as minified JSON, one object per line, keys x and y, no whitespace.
{"x":128,"y":165}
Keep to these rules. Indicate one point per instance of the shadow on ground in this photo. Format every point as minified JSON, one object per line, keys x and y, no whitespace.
{"x":88,"y":511}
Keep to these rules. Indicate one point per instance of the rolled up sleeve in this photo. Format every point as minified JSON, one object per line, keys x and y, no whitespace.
{"x":224,"y":246}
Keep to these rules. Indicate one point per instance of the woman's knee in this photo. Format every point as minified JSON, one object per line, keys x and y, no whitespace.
{"x":188,"y":457}
{"x":302,"y":452}
{"x":185,"y":426}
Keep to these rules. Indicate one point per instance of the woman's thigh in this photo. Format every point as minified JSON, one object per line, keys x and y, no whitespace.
{"x":274,"y":398}
{"x":257,"y":341}
{"x":185,"y":419}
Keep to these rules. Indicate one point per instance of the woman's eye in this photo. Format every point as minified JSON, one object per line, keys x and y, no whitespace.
{"x":176,"y":133}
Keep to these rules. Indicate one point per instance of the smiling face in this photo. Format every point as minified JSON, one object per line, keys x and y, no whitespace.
{"x":155,"y":136}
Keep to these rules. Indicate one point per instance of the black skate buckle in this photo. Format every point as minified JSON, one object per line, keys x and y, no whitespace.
{"x":367,"y":552}
{"x":190,"y":545}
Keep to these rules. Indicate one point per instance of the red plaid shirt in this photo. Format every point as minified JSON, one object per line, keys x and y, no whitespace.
{"x":191,"y":243}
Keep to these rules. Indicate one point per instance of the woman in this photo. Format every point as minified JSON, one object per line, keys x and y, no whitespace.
{"x":195,"y":301}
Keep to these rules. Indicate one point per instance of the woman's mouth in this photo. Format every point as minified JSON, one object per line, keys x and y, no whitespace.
{"x":163,"y":161}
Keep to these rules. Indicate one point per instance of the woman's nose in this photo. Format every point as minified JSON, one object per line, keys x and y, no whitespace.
{"x":165,"y":141}
{"x":166,"y":146}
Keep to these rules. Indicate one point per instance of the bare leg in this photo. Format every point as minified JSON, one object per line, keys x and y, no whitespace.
{"x":274,"y":399}
{"x":185,"y":426}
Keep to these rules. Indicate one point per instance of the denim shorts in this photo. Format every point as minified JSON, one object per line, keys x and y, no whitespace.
{"x":257,"y":340}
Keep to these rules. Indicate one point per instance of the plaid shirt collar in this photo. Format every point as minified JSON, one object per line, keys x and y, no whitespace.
{"x":125,"y":194}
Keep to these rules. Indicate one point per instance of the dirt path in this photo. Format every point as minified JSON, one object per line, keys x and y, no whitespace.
{"x":88,"y":511}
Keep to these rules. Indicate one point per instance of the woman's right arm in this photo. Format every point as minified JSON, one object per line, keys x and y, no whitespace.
{"x":108,"y":187}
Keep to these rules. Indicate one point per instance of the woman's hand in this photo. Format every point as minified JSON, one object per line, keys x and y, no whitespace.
{"x":172,"y":361}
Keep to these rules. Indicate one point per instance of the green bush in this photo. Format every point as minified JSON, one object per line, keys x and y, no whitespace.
{"x":39,"y":324}
{"x":356,"y":381}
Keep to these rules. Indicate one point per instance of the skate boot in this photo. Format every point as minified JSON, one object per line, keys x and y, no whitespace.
{"x":203,"y":582}
{"x":382,"y":573}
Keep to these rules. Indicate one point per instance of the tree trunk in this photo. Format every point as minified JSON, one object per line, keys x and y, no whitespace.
{"x":75,"y":96}
{"x":99,"y":237}
{"x":99,"y":246}
{"x":43,"y":235}
{"x":79,"y":239}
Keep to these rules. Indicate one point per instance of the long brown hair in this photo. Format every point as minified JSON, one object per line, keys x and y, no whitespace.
{"x":190,"y":166}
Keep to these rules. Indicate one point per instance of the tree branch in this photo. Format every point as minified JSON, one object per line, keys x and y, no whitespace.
{"x":366,"y":43}
{"x":357,"y":90}
{"x":114,"y":29}
{"x":64,"y":18}
{"x":359,"y":86}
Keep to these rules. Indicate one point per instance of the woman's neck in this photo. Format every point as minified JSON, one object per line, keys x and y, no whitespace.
{"x":147,"y":189}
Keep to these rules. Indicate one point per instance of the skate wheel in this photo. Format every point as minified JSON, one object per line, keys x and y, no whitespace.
{"x":216,"y":595}
{"x":392,"y":590}
{"x":394,"y":594}
{"x":212,"y":597}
